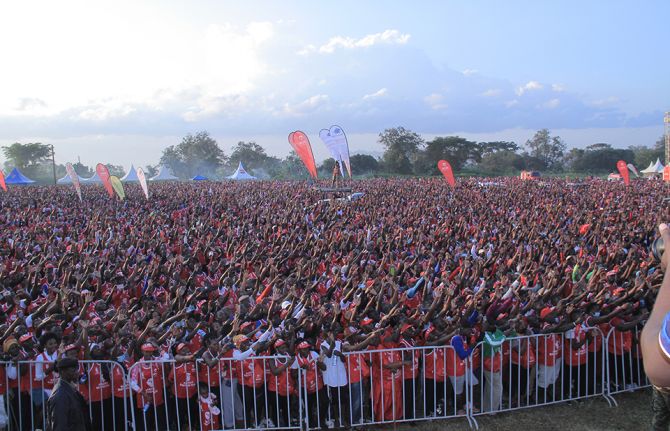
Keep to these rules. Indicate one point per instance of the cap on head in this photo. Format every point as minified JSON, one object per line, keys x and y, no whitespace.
{"x":65,"y":363}
{"x":148,"y":347}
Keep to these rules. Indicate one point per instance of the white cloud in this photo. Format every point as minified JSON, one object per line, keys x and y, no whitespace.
{"x":551,"y":104}
{"x":388,"y":37}
{"x":435,"y":101}
{"x":511,"y":103}
{"x":558,"y":88}
{"x":106,"y":110}
{"x":607,"y":101}
{"x":377,"y":94}
{"x":306,"y":106}
{"x":530,"y":86}
{"x":492,"y":92}
{"x":470,"y":72}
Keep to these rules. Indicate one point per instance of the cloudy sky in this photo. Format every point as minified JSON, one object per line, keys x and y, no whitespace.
{"x":117,"y":81}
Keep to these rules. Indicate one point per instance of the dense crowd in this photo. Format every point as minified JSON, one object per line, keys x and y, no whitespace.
{"x":212,"y":297}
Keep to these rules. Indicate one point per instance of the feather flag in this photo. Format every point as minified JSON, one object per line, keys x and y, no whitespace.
{"x":75,"y":178}
{"x":103,"y":174}
{"x":300,"y":143}
{"x":446,"y":170}
{"x":117,"y":186}
{"x":143,"y":182}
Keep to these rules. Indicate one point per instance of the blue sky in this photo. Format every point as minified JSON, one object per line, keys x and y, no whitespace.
{"x":118,"y":81}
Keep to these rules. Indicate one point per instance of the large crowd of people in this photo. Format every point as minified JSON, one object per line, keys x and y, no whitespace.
{"x":211,"y":305}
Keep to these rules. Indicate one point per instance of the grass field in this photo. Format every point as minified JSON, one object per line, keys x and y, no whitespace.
{"x":633,"y":413}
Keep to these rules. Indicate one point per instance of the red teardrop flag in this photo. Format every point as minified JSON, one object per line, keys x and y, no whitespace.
{"x":303,"y":148}
{"x":623,"y":171}
{"x":446,"y":170}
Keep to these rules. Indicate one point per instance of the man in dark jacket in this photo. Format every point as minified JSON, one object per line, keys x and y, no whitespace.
{"x":66,"y":408}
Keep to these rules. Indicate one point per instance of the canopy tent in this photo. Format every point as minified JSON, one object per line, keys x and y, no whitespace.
{"x":199,"y":178}
{"x":164,"y":174}
{"x":241,"y":174}
{"x":16,"y":177}
{"x":131,"y":176}
{"x":653,"y":168}
{"x":95,"y":179}
{"x":67,"y":180}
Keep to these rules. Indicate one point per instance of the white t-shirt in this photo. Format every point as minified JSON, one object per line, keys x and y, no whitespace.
{"x":336,"y":372}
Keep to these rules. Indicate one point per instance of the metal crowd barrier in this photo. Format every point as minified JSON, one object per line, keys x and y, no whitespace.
{"x":537,"y":370}
{"x":25,"y":387}
{"x":625,"y":371}
{"x":356,"y":389}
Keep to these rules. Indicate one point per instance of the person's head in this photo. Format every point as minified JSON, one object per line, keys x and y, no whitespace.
{"x":303,"y":348}
{"x":183,"y":349}
{"x":49,"y":342}
{"x":71,"y":351}
{"x":203,"y":389}
{"x":281,"y":347}
{"x":11,"y":347}
{"x":148,"y":351}
{"x":68,"y":369}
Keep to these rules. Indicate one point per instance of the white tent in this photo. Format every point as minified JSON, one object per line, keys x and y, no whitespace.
{"x":241,"y":174}
{"x":95,"y":179}
{"x":164,"y":174}
{"x":131,"y":176}
{"x":67,"y":180}
{"x":653,"y":168}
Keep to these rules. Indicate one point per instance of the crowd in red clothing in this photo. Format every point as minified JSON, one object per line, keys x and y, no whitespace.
{"x":213,"y":304}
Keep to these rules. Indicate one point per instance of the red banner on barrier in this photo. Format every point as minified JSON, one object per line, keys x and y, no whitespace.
{"x":623,"y":171}
{"x":446,"y":170}
{"x":103,"y":173}
{"x":3,"y":184}
{"x":666,"y":173}
{"x":303,"y":148}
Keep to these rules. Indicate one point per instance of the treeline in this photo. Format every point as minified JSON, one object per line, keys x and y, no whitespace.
{"x":405,"y":153}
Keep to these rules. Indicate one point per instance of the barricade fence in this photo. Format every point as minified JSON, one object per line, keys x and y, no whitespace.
{"x":347,"y":389}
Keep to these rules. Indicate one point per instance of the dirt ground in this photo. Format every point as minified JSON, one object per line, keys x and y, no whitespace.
{"x":633,"y":413}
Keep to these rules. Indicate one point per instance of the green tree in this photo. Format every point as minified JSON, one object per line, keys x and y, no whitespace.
{"x":496,"y":146}
{"x":25,"y":156}
{"x":252,"y":156}
{"x":597,"y":158}
{"x":363,"y":164}
{"x":502,"y":162}
{"x":116,"y":170}
{"x":456,"y":150}
{"x":150,"y":171}
{"x":291,"y":167}
{"x":547,"y":149}
{"x":402,"y":147}
{"x":197,"y":154}
{"x":83,"y":170}
{"x":325,"y":169}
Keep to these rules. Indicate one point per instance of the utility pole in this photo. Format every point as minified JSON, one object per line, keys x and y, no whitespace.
{"x":53,"y":162}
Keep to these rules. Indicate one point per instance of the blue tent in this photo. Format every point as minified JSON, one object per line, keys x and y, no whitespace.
{"x":16,"y":177}
{"x":199,"y":178}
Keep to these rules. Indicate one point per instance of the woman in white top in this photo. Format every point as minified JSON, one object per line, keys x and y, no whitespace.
{"x":335,"y":378}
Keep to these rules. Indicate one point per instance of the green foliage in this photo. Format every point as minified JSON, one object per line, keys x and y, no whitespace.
{"x":116,"y":170}
{"x":197,"y":154}
{"x":25,"y":156}
{"x":362,"y":164}
{"x":546,"y":149}
{"x":597,"y":158}
{"x":83,"y":170}
{"x":254,"y":158}
{"x":402,"y":148}
{"x":150,"y":171}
